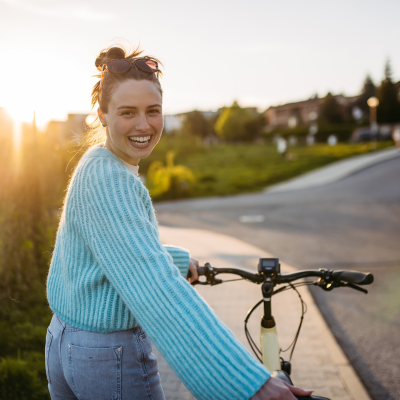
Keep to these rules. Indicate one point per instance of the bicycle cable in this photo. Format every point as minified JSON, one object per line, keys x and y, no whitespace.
{"x":303,"y":311}
{"x":253,"y":345}
{"x":232,"y":280}
{"x":250,"y":340}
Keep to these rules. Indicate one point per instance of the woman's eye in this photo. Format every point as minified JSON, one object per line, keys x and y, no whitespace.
{"x":154,"y":112}
{"x":127,"y":113}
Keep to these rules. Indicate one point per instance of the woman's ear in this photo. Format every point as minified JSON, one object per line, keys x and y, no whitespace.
{"x":101,"y":117}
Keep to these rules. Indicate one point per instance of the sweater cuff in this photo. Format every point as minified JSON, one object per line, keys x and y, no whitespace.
{"x":264,"y":378}
{"x":180,"y":258}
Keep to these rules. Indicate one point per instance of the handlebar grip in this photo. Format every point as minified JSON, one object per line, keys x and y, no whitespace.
{"x":354,"y":277}
{"x":200,"y":270}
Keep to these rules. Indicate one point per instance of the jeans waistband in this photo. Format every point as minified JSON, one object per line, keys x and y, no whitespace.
{"x":63,"y":325}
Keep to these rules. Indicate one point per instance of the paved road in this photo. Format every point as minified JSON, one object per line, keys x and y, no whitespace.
{"x":351,"y":224}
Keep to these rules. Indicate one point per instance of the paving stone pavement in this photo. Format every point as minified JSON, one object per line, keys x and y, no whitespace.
{"x":318,"y":363}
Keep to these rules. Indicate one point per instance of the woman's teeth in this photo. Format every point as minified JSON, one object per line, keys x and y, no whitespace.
{"x":140,"y":140}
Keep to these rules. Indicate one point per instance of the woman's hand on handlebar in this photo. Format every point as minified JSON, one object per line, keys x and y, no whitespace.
{"x":277,"y":389}
{"x":194,"y":276}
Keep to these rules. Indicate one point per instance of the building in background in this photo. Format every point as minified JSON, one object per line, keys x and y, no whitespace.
{"x":174,"y":122}
{"x":56,"y":131}
{"x":71,"y":130}
{"x":76,"y":126}
{"x":304,"y":112}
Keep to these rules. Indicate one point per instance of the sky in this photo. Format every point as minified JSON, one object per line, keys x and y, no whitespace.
{"x":259,"y":53}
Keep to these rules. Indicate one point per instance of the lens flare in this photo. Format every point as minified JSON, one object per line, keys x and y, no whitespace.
{"x":19,"y":116}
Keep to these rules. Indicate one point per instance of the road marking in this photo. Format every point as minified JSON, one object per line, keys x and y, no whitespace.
{"x":249,"y":219}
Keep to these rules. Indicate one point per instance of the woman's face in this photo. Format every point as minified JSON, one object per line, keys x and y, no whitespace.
{"x":134,"y":120}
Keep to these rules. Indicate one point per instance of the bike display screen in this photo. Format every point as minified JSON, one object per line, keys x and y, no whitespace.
{"x":269,"y":265}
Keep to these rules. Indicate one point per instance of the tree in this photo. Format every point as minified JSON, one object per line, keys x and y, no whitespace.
{"x":231,"y":124}
{"x":196,"y":124}
{"x":331,"y":111}
{"x":368,"y":90}
{"x":389,"y":105}
{"x":254,"y":127}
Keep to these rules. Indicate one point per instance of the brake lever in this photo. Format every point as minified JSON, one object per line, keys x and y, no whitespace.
{"x":328,"y":286}
{"x":352,"y":286}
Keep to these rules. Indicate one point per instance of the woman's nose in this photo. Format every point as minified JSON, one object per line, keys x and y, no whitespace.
{"x":142,"y":123}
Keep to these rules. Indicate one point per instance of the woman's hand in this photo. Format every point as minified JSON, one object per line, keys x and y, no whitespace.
{"x":277,"y":389}
{"x":193,"y":264}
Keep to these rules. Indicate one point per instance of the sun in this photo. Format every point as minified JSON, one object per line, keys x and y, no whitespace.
{"x":19,"y":113}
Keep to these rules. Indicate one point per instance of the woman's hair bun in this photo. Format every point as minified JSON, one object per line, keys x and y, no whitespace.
{"x":118,"y":52}
{"x":112,"y":53}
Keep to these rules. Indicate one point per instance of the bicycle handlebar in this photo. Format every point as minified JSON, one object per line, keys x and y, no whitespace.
{"x":256,"y":278}
{"x":326,"y":276}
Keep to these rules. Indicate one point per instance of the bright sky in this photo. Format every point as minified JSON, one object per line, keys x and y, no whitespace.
{"x":214,"y":51}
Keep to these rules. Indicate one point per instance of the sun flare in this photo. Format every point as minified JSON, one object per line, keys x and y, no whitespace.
{"x":19,"y":116}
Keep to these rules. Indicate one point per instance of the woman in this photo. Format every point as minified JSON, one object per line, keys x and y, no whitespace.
{"x":111,"y":281}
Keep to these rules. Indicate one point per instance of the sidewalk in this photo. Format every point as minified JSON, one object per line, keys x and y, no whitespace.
{"x":318,"y":362}
{"x":334,"y":172}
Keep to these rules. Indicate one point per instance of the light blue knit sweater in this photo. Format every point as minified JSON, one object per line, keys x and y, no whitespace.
{"x":110,"y":272}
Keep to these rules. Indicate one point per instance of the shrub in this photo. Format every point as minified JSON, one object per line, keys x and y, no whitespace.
{"x":19,"y":381}
{"x":169,"y":181}
{"x":341,"y":131}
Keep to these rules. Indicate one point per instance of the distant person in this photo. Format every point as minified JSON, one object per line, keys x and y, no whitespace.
{"x":111,"y":281}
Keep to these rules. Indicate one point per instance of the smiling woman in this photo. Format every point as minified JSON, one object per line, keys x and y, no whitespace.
{"x":111,"y":280}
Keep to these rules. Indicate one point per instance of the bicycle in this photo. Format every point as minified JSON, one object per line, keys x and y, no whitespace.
{"x":269,"y":275}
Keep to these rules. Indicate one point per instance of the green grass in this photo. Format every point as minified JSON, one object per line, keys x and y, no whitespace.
{"x":232,"y":169}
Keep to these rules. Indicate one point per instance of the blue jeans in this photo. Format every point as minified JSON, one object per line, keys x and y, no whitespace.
{"x":88,"y":365}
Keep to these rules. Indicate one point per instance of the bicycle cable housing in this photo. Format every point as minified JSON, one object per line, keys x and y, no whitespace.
{"x":253,"y":345}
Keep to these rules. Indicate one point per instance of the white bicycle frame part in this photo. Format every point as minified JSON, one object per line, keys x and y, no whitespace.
{"x":270,"y":348}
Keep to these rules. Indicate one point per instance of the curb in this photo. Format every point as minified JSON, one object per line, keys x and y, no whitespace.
{"x":334,"y":172}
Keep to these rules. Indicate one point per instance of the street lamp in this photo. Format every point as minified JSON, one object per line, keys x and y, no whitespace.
{"x":373,"y":103}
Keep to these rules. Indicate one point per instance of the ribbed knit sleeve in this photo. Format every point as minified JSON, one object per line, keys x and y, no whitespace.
{"x":180,"y":258}
{"x":116,"y":220}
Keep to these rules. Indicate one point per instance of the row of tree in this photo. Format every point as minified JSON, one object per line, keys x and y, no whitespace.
{"x":232,"y":123}
{"x":388,"y":111}
{"x":236,"y":123}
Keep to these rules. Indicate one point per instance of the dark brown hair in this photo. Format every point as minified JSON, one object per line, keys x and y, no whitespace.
{"x":118,"y":52}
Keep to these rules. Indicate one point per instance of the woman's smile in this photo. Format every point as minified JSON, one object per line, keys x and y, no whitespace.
{"x":140,"y":141}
